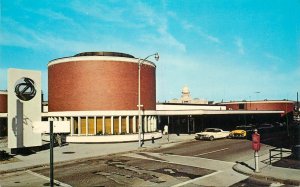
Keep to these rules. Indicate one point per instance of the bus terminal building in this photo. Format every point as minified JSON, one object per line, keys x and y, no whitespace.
{"x":97,"y":93}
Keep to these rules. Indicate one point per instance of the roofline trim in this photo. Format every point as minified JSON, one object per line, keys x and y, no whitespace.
{"x":263,"y":101}
{"x":98,"y":58}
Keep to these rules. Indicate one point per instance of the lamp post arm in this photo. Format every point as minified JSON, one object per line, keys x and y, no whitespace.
{"x":140,"y":61}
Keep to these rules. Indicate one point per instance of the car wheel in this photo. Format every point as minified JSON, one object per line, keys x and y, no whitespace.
{"x":211,"y":138}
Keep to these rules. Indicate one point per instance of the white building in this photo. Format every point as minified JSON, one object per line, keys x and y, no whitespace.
{"x":187,"y":99}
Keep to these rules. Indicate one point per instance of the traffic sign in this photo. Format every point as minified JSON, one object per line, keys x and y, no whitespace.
{"x":58,"y":127}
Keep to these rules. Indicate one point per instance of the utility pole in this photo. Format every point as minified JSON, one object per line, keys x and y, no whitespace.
{"x":297,"y":104}
{"x":51,"y":154}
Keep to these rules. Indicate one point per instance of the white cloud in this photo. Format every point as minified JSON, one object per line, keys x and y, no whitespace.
{"x":13,"y":39}
{"x":54,"y":15}
{"x":98,"y":10}
{"x":167,"y":38}
{"x":273,"y":57}
{"x":190,"y":27}
{"x":159,"y":22}
{"x":206,"y":36}
{"x":18,"y":36}
{"x":212,"y":38}
{"x":22,"y":36}
{"x":50,"y":14}
{"x":240,"y":45}
{"x":186,"y":25}
{"x":227,"y":82}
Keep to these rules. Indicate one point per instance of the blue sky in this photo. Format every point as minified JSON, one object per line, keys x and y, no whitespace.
{"x":222,"y":50}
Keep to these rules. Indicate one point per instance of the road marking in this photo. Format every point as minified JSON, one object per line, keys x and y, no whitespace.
{"x":47,"y":178}
{"x":212,"y":152}
{"x":199,"y":178}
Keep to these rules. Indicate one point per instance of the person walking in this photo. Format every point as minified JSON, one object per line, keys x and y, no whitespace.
{"x":58,"y":139}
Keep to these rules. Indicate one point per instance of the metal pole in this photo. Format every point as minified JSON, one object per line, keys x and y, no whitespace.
{"x":139,"y":104}
{"x":51,"y":154}
{"x":287,"y":119}
{"x":256,"y":162}
{"x":188,"y":123}
{"x":140,"y":61}
{"x":297,"y":107}
{"x":168,"y":128}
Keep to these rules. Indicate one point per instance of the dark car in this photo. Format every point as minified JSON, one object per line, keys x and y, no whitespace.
{"x":265,"y":128}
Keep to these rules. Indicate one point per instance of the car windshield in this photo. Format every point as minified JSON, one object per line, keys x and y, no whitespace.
{"x":211,"y":130}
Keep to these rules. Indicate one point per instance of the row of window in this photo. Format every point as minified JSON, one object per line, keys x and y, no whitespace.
{"x":108,"y":125}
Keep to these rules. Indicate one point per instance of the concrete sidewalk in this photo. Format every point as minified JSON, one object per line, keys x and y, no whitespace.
{"x":73,"y":152}
{"x":81,"y":151}
{"x":283,"y":175}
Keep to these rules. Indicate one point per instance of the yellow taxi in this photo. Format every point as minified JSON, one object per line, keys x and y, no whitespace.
{"x":241,"y":131}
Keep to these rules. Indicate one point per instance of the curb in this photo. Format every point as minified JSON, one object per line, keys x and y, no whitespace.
{"x":268,"y":178}
{"x":62,"y":162}
{"x":94,"y":157}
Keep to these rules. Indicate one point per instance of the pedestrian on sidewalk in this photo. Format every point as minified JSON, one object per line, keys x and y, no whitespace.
{"x":59,"y":139}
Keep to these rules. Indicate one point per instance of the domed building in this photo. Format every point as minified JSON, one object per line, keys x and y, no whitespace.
{"x":187,"y":99}
{"x":98,"y":93}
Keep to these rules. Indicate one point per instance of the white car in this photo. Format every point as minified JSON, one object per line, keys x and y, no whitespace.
{"x":211,"y":134}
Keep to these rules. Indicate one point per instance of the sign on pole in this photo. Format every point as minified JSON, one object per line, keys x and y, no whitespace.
{"x":58,"y":127}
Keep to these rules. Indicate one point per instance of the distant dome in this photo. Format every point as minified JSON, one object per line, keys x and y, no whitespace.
{"x":185,"y":90}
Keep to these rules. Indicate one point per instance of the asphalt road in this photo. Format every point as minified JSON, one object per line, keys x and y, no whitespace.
{"x":232,"y":150}
{"x":194,"y":163}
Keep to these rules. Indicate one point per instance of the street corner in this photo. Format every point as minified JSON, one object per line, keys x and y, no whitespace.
{"x":269,"y":173}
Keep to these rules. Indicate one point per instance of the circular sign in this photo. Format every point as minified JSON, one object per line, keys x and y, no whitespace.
{"x":25,"y":89}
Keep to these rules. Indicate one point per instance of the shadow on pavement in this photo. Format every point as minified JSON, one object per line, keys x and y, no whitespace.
{"x":5,"y":156}
{"x":288,"y":162}
{"x":244,"y":164}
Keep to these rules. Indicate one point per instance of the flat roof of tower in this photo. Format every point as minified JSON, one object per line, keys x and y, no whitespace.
{"x":101,"y":55}
{"x":97,"y":53}
{"x":104,"y":53}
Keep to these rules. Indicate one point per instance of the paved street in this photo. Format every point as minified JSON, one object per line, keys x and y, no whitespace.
{"x":232,"y":150}
{"x":192,"y":163}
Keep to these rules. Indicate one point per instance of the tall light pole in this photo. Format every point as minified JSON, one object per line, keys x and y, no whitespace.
{"x":257,"y":94}
{"x":140,"y":62}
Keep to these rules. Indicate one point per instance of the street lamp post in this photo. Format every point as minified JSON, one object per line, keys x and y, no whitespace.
{"x":140,"y":62}
{"x":257,"y":95}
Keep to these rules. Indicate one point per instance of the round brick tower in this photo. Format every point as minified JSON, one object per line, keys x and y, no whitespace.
{"x":97,"y":81}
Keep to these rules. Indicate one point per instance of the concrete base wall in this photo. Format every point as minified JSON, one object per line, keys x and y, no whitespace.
{"x":109,"y":138}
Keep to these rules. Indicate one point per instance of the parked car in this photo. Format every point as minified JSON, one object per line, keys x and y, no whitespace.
{"x":242,"y":131}
{"x":265,"y":128}
{"x":211,"y":134}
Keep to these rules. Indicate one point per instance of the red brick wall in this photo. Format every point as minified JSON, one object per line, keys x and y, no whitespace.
{"x":100,"y":85}
{"x":3,"y":103}
{"x":284,"y":106}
